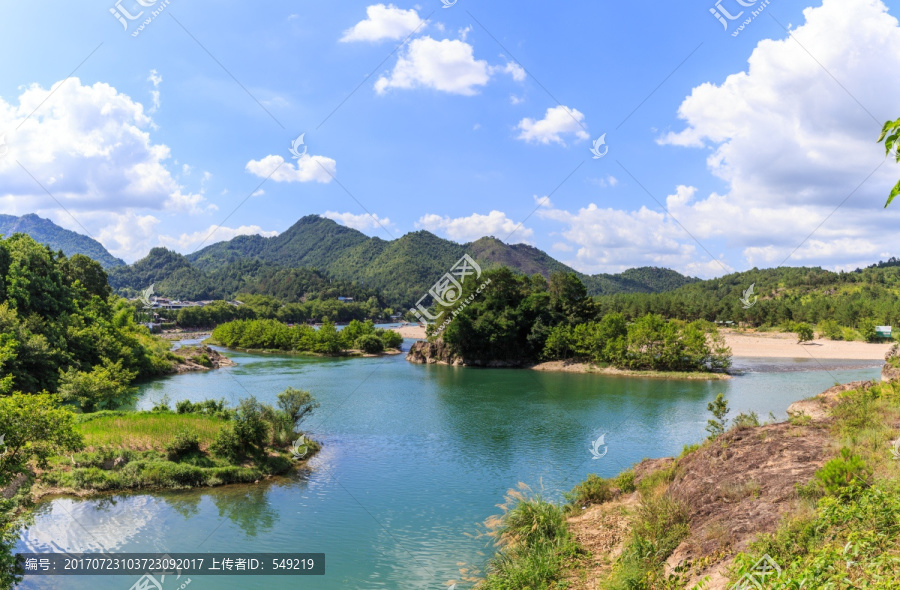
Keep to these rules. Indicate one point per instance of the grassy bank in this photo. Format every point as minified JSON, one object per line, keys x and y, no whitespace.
{"x":600,"y":369}
{"x":202,"y":444}
{"x":820,"y":497}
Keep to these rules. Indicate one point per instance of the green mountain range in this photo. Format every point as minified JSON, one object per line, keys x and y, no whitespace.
{"x":405,"y":268}
{"x":46,"y":232}
{"x":316,"y":251}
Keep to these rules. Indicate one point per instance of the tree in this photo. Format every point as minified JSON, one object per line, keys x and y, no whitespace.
{"x":296,"y":404}
{"x":890,"y":134}
{"x":867,"y":330}
{"x":719,"y":408}
{"x":804,"y":333}
{"x":34,"y":428}
{"x":105,"y":387}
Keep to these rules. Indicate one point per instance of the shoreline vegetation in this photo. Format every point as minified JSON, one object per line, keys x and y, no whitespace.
{"x":356,"y":339}
{"x":807,"y":493}
{"x":202,"y":444}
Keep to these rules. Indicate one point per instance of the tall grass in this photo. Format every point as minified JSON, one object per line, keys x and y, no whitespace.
{"x":535,"y":544}
{"x":146,"y":430}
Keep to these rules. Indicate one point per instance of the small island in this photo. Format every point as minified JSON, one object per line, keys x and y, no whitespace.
{"x":356,"y":339}
{"x":529,"y":322}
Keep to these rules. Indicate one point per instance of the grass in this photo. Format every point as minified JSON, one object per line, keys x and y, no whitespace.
{"x":844,"y":530}
{"x":535,"y":545}
{"x":137,"y":450}
{"x":144,"y":430}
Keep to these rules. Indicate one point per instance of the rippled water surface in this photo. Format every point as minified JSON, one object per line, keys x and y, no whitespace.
{"x":414,"y":457}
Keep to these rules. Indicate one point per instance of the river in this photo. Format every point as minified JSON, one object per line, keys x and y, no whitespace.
{"x":414,"y":458}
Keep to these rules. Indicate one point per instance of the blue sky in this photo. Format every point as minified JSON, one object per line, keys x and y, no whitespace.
{"x":725,"y":152}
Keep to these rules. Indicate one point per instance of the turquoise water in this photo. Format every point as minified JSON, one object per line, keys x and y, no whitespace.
{"x":414,"y":457}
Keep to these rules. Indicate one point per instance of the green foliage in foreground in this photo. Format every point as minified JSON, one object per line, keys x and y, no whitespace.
{"x":273,"y":335}
{"x":60,"y":325}
{"x":535,"y":546}
{"x":846,"y":534}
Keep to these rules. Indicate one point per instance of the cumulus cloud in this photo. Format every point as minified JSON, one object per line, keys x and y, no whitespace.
{"x":384,"y":22}
{"x":475,"y":226}
{"x":189,"y":242}
{"x":448,"y":65}
{"x":307,"y":169}
{"x":361,"y":222}
{"x":558,"y":121}
{"x":91,"y":148}
{"x":613,"y":240}
{"x":792,"y":144}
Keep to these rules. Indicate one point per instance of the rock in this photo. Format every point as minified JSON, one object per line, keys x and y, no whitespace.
{"x":891,"y":369}
{"x":439,"y":352}
{"x":819,"y":407}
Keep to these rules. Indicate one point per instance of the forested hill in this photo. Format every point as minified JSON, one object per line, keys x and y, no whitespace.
{"x":404,"y":268}
{"x":46,"y":232}
{"x":779,"y":295}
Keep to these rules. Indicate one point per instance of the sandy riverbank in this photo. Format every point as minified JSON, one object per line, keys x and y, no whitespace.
{"x":416,"y":332}
{"x":764,"y":345}
{"x":775,"y":345}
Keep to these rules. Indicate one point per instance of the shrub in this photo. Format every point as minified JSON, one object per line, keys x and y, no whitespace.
{"x":844,"y":476}
{"x":370,"y":344}
{"x":227,"y":445}
{"x":390,"y":338}
{"x":831,"y":330}
{"x":625,"y":482}
{"x":719,"y":409}
{"x":593,"y":490}
{"x":804,"y":332}
{"x":184,"y":443}
{"x":743,"y":421}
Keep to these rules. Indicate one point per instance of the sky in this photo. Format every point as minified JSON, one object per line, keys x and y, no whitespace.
{"x":724,"y":137}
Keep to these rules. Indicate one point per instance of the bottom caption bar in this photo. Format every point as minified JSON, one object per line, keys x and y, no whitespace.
{"x":176,"y":564}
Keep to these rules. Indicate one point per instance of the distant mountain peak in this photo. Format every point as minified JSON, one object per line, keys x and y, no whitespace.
{"x":46,"y":232}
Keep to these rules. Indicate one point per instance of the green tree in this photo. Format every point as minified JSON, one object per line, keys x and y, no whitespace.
{"x":804,"y":333}
{"x":719,"y":409}
{"x":104,"y":387}
{"x":867,"y":330}
{"x":890,"y":134}
{"x":34,"y":428}
{"x":296,"y":404}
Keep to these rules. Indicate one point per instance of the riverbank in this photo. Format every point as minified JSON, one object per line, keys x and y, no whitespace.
{"x":780,"y":345}
{"x":800,"y":494}
{"x":412,"y":331}
{"x":576,"y":367}
{"x":307,"y":353}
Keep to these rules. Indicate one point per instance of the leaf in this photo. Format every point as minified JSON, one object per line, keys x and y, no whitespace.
{"x":885,"y":129}
{"x":894,"y":192}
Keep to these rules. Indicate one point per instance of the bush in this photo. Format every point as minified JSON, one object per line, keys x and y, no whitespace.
{"x":227,"y":445}
{"x":370,"y":344}
{"x":390,"y":338}
{"x":830,"y":329}
{"x":743,"y":421}
{"x":593,"y":490}
{"x":184,"y":443}
{"x":804,"y":332}
{"x":844,"y":476}
{"x":867,"y":330}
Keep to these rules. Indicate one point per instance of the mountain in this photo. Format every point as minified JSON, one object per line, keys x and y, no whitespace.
{"x":405,"y":268}
{"x":46,"y":232}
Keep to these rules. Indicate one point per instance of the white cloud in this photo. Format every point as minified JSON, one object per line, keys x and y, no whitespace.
{"x":558,"y":121}
{"x":384,"y":22}
{"x":189,"y":242}
{"x":361,"y":222}
{"x":607,"y":181}
{"x":475,"y":226}
{"x":156,"y":80}
{"x":308,"y":169}
{"x":515,"y":70}
{"x":562,"y":247}
{"x":792,"y":144}
{"x":613,"y":240}
{"x":91,"y":147}
{"x":448,"y":65}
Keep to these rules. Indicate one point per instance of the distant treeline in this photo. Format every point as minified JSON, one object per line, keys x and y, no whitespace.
{"x":780,"y":296}
{"x":327,"y":339}
{"x":261,"y":307}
